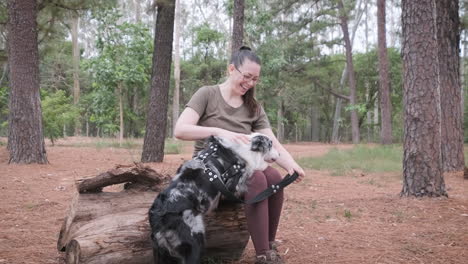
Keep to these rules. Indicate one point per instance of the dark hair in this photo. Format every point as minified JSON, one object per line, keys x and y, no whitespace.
{"x":237,"y":59}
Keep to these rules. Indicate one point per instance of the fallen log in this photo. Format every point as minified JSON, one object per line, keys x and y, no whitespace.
{"x":112,"y":227}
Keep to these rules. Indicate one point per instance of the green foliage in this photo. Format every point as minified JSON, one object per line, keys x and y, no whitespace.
{"x":121,"y":68}
{"x":3,"y":111}
{"x":363,"y":158}
{"x":57,"y":112}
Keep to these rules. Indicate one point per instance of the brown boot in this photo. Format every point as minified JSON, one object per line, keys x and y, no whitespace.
{"x":270,"y":257}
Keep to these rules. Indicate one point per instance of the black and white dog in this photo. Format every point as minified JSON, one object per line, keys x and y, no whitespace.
{"x":176,"y":217}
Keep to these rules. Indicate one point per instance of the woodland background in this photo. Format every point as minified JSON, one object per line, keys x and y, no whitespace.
{"x":300,"y":43}
{"x":104,"y":69}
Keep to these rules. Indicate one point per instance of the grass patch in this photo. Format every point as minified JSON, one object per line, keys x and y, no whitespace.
{"x":347,"y":214}
{"x":369,"y":159}
{"x":103,"y":143}
{"x":371,"y":182}
{"x":170,"y":146}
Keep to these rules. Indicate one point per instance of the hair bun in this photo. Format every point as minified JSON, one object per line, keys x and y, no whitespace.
{"x":245,"y":48}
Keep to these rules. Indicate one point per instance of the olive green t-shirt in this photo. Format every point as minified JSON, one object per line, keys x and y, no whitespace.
{"x":215,"y":112}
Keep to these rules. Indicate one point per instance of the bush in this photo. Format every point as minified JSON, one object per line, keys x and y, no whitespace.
{"x":57,"y":112}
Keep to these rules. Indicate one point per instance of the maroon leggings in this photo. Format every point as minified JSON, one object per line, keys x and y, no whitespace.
{"x":263,"y":217}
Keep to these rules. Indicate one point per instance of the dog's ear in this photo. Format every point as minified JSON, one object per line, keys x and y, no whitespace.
{"x":260,"y":143}
{"x":212,"y":139}
{"x":192,"y":164}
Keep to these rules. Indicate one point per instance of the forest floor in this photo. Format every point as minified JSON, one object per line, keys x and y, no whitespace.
{"x":357,"y":218}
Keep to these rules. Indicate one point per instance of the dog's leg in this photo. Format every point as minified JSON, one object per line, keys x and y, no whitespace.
{"x":197,"y":246}
{"x":155,"y":256}
{"x":163,"y":257}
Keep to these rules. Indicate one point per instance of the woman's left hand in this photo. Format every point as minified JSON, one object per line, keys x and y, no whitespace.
{"x":296,"y":168}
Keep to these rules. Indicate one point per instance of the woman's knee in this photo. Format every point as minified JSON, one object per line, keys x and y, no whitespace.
{"x":272,"y":175}
{"x":256,"y":185}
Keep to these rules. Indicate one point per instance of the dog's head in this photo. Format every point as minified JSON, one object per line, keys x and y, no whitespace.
{"x":256,"y":153}
{"x":263,"y":144}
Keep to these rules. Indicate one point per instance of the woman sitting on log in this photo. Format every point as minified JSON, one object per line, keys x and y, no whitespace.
{"x":230,"y":110}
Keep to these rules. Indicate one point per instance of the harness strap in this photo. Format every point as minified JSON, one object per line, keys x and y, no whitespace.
{"x":288,"y":179}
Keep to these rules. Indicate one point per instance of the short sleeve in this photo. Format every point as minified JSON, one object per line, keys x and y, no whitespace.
{"x":199,"y":100}
{"x":261,"y":122}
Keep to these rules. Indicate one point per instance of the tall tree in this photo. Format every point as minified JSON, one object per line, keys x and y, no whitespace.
{"x":448,"y":37}
{"x":75,"y":21}
{"x":176,"y":96}
{"x":238,"y":25}
{"x":422,"y":165}
{"x":384,"y":81}
{"x":153,"y":145}
{"x":25,"y":135}
{"x":351,"y":75}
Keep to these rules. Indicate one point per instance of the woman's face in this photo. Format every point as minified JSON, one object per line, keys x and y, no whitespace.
{"x":244,"y":77}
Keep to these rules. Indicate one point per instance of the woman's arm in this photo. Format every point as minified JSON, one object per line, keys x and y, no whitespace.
{"x":285,"y":160}
{"x":187,"y":129}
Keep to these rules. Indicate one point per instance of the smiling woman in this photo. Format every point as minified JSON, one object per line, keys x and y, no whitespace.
{"x":229,"y":110}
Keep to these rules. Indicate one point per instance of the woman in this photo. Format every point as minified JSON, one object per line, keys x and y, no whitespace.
{"x":230,"y":110}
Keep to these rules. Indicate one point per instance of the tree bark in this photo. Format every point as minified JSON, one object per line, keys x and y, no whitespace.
{"x":75,"y":20}
{"x":156,"y":122}
{"x":121,"y":113}
{"x":136,"y":4}
{"x":314,"y":123}
{"x":448,"y":37}
{"x":25,"y":135}
{"x":176,"y":96}
{"x":351,"y":74}
{"x":238,"y":25}
{"x":384,"y":83}
{"x":422,"y":163}
{"x":280,"y":117}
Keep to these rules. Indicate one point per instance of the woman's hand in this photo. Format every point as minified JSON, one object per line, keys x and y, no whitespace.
{"x":233,"y":136}
{"x":296,"y":168}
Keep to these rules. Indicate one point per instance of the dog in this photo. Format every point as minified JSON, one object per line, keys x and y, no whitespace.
{"x":177,"y":214}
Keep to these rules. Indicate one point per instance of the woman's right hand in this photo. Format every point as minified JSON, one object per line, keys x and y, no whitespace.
{"x":233,"y":136}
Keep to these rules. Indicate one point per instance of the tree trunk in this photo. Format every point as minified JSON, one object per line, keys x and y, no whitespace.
{"x":176,"y":96}
{"x":113,"y":227}
{"x":280,"y":124}
{"x":351,"y":74}
{"x":136,"y":4}
{"x":156,"y":121}
{"x":422,"y":163}
{"x":121,"y":113}
{"x":75,"y":20}
{"x":335,"y":138}
{"x":384,"y":83}
{"x":462,"y":75}
{"x":238,"y":25}
{"x":25,"y":135}
{"x":314,"y":123}
{"x":448,"y":37}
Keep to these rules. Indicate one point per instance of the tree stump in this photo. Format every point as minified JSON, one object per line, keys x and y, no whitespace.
{"x":112,"y":227}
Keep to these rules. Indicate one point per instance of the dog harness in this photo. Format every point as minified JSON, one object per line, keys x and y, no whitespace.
{"x":233,"y":167}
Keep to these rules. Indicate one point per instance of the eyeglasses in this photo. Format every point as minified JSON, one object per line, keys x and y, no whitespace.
{"x":248,"y":77}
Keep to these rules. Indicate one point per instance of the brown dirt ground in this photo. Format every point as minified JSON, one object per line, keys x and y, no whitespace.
{"x":358,"y":218}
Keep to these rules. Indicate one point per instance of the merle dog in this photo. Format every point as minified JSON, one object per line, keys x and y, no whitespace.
{"x":177,"y":214}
